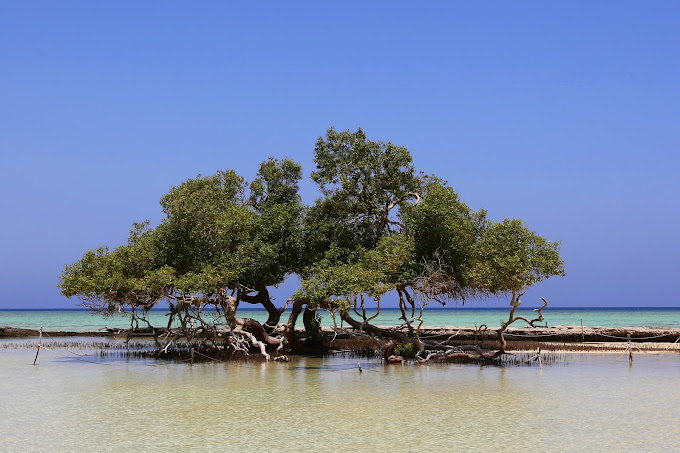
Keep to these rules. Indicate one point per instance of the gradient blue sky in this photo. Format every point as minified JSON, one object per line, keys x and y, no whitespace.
{"x":564,"y":114}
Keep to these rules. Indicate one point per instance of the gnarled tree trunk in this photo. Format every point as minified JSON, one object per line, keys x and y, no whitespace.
{"x":262,"y":297}
{"x":291,"y":338}
{"x":375,"y":330}
{"x":247,"y":326}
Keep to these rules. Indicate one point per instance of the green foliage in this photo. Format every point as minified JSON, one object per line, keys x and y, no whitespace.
{"x":510,"y":257}
{"x":215,"y":235}
{"x":128,"y":276}
{"x":206,"y":221}
{"x":378,"y":226}
{"x":340,"y":278}
{"x":350,"y":165}
{"x":406,"y":350}
{"x":313,"y":330}
{"x":441,"y":225}
{"x":362,"y":183}
{"x":276,"y":184}
{"x":276,"y":241}
{"x":351,"y":234}
{"x":444,"y":231}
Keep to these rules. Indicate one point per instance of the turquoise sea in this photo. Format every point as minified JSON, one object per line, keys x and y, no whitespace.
{"x":81,"y":320}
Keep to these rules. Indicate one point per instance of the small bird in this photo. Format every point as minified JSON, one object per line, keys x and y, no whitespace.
{"x":360,"y":370}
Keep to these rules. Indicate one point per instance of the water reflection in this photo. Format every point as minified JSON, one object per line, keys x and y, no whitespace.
{"x":595,"y":403}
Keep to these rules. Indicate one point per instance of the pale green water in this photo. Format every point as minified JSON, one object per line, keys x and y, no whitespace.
{"x":591,"y":403}
{"x":81,"y":320}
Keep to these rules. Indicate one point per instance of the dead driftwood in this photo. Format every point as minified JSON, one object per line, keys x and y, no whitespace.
{"x":210,"y":328}
{"x":437,"y":351}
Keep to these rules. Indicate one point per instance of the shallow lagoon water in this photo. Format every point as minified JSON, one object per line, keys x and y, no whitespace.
{"x":84,"y":320}
{"x":584,"y":403}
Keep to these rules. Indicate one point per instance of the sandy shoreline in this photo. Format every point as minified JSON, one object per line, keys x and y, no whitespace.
{"x":559,"y":333}
{"x":550,"y":339}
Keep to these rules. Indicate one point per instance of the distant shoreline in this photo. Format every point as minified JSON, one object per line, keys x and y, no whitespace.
{"x":429,"y":308}
{"x":572,"y":334}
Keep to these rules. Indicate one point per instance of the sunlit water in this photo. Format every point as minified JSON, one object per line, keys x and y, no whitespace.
{"x":82,"y":320}
{"x":584,"y":403}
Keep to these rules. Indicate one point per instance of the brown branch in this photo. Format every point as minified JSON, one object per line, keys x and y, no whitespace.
{"x":366,"y":321}
{"x":402,"y":306}
{"x":370,"y":328}
{"x":354,"y":306}
{"x":253,"y":326}
{"x":262,"y":297}
{"x":290,"y":326}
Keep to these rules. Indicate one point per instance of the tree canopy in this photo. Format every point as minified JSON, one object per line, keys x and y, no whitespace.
{"x":378,"y":227}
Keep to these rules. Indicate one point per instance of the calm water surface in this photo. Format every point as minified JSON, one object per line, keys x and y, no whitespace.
{"x":83,"y":320}
{"x":586,"y":403}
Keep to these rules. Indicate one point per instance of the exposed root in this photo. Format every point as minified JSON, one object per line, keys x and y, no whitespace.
{"x":255,"y":342}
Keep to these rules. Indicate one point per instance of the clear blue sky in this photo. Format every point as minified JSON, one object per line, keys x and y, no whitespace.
{"x":564,"y":114}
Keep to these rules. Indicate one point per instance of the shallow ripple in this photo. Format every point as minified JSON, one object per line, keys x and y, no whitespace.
{"x":594,"y":402}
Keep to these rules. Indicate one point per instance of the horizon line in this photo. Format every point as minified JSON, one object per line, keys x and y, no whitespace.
{"x":448,"y":307}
